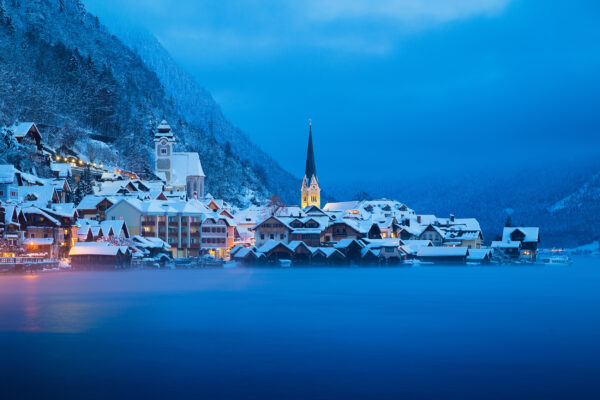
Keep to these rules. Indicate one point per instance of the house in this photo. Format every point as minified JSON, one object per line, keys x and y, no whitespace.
{"x":101,"y":255}
{"x":529,"y":237}
{"x":43,"y":224}
{"x":275,"y":250}
{"x":443,"y":255}
{"x":271,"y":228}
{"x":327,"y":255}
{"x":390,"y":249}
{"x":432,"y":233}
{"x":94,"y":206}
{"x":351,"y":248}
{"x":507,"y":249}
{"x":27,"y":133}
{"x":12,"y":225}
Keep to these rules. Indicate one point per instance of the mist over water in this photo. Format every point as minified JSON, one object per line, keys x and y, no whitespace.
{"x":411,"y":332}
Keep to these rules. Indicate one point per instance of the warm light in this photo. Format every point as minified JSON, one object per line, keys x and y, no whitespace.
{"x":80,"y":162}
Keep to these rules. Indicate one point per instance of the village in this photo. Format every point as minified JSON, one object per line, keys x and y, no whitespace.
{"x":90,"y":217}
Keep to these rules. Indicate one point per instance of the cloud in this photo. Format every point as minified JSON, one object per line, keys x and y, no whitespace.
{"x":268,"y":27}
{"x":407,"y":11}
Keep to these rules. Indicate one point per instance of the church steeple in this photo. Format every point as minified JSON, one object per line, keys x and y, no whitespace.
{"x":311,"y":192}
{"x":310,"y":170}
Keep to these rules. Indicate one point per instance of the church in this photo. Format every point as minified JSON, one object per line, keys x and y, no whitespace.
{"x":182,"y":171}
{"x":311,"y":192}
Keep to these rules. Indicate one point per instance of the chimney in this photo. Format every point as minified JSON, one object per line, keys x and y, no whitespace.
{"x":418,"y":219}
{"x":451,"y":217}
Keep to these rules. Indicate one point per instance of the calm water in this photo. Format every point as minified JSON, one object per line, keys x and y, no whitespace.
{"x":420,"y":332}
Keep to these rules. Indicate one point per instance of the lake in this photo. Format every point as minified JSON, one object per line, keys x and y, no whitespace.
{"x":304,"y":333}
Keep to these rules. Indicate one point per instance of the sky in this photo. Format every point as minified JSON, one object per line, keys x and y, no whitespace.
{"x":393,"y":87}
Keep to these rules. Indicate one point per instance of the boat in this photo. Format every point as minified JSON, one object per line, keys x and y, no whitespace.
{"x":558,"y":260}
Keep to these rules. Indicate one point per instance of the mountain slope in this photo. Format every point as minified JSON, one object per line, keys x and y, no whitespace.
{"x":198,"y":107}
{"x":59,"y":66}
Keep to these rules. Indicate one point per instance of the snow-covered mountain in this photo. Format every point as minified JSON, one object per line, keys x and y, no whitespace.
{"x":199,"y":108}
{"x":60,"y":67}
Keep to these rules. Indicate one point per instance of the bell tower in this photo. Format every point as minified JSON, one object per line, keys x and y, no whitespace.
{"x":311,"y":192}
{"x":163,"y":146}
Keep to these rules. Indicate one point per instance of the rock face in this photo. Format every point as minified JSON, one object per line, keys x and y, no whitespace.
{"x":60,"y":67}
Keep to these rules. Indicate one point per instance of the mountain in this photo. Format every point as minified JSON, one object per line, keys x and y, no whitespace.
{"x":561,"y":198}
{"x":198,"y":107}
{"x":60,"y":67}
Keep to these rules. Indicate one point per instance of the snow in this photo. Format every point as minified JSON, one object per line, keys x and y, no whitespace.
{"x":442,"y":252}
{"x":21,"y":129}
{"x":184,"y":165}
{"x":62,"y":169}
{"x":505,"y":244}
{"x":96,"y":249}
{"x":7,"y":173}
{"x":532,"y":234}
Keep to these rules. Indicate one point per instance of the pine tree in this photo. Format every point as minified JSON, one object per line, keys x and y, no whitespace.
{"x":85,"y":186}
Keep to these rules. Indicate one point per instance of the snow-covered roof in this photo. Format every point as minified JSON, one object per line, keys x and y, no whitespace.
{"x":36,"y":195}
{"x":8,"y":173}
{"x":151,"y":242}
{"x":184,"y":165}
{"x":22,"y":128}
{"x":90,"y":201}
{"x":505,"y":244}
{"x":379,"y":243}
{"x":479,"y":254}
{"x":532,"y":234}
{"x":342,"y":206}
{"x":270,"y":245}
{"x":442,"y":252}
{"x":97,"y":249}
{"x":30,"y":209}
{"x":328,"y":251}
{"x":63,"y":170}
{"x":342,"y":244}
{"x":63,"y":209}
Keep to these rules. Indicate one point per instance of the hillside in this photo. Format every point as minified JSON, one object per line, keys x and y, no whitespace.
{"x":60,"y":67}
{"x":561,"y":198}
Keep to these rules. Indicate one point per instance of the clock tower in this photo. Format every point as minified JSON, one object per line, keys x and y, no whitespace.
{"x":163,"y":145}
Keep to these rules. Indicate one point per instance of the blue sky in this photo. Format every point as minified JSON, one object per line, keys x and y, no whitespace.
{"x":399,"y":87}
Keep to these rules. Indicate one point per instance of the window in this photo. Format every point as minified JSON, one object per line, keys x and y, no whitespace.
{"x":282,"y":236}
{"x":1,"y":192}
{"x":272,"y":236}
{"x":262,"y":236}
{"x":163,"y":151}
{"x":113,"y":217}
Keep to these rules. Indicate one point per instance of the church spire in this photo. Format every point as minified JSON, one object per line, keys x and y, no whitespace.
{"x":311,"y":170}
{"x":311,"y":192}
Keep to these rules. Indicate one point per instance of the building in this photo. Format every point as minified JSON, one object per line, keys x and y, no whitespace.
{"x":182,"y":171}
{"x":189,"y":227}
{"x":529,"y":237}
{"x":10,"y":180}
{"x":27,"y":133}
{"x":311,"y":192}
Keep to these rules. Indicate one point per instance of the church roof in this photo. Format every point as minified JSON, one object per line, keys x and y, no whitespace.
{"x":311,"y":169}
{"x":185,"y":164}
